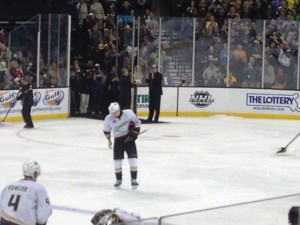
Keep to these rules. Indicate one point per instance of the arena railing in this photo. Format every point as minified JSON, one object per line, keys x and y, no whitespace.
{"x":270,"y":211}
{"x":148,"y":221}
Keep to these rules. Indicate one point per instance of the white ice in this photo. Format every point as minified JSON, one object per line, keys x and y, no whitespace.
{"x":185,"y":164}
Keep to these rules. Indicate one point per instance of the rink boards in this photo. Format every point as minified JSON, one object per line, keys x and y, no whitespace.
{"x":197,"y":101}
{"x":48,"y":103}
{"x":175,"y":101}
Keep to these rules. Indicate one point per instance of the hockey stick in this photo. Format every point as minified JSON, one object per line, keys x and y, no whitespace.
{"x":10,"y":107}
{"x":129,"y":138}
{"x":7,"y":113}
{"x":283,"y":149}
{"x":143,"y":131}
{"x":70,"y":209}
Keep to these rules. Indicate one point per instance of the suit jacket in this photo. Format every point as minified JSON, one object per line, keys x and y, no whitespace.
{"x":155,"y":84}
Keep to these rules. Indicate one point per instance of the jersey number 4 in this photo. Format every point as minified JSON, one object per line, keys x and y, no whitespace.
{"x":14,"y":201}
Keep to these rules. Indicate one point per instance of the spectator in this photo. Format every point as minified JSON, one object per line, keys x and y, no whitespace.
{"x":152,"y":25}
{"x":96,"y":41}
{"x":82,"y":10}
{"x":192,"y":10}
{"x":91,"y":20}
{"x":155,"y":56}
{"x":125,"y":86}
{"x":126,"y":7}
{"x":269,"y":75}
{"x":211,"y":25}
{"x":230,"y":80}
{"x":75,"y":75}
{"x":97,"y":9}
{"x":62,"y":73}
{"x":280,"y":79}
{"x":212,"y":75}
{"x":223,"y":58}
{"x":96,"y":89}
{"x":250,"y":73}
{"x":85,"y":84}
{"x":53,"y":75}
{"x":4,"y":84}
{"x":202,"y":8}
{"x":110,"y":89}
{"x":154,"y":80}
{"x":142,"y":6}
{"x":16,"y":73}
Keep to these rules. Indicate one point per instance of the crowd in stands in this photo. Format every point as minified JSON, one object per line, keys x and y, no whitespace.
{"x":102,"y":47}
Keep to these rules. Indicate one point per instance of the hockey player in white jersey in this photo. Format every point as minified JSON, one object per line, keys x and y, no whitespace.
{"x":125,"y":127}
{"x":25,"y":202}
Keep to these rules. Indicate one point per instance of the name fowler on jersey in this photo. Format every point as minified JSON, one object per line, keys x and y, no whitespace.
{"x":17,"y":188}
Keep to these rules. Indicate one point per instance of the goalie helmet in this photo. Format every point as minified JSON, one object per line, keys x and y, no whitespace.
{"x":97,"y":217}
{"x":113,"y":107}
{"x":30,"y":167}
{"x":109,"y":219}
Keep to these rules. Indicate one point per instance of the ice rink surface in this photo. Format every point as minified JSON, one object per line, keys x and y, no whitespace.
{"x":185,"y":164}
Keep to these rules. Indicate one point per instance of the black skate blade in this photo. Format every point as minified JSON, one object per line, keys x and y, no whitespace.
{"x":282,"y":150}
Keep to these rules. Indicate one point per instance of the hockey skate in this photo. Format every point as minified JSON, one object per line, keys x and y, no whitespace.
{"x":134,"y":184}
{"x":118,"y":184}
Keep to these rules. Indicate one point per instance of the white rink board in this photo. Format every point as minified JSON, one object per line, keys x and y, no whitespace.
{"x":52,"y":103}
{"x":239,"y":100}
{"x":197,"y":101}
{"x":168,"y":99}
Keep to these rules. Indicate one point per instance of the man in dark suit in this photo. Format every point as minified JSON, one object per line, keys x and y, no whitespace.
{"x":26,"y":96}
{"x":154,"y":80}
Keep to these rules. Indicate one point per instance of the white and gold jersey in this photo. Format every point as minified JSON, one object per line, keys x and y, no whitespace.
{"x":25,"y":202}
{"x":120,"y":125}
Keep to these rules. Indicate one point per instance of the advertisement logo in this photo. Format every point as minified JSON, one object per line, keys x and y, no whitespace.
{"x":36,"y":98}
{"x":201,"y":99}
{"x":142,"y":101}
{"x":53,"y":97}
{"x":273,"y":101}
{"x":8,"y":99}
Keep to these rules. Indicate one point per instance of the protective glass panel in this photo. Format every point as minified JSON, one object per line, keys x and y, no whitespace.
{"x":41,"y":47}
{"x":176,"y":56}
{"x":23,"y":42}
{"x":246,"y":53}
{"x":150,"y":221}
{"x":54,"y":51}
{"x":126,"y":44}
{"x":281,"y":54}
{"x":211,"y":52}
